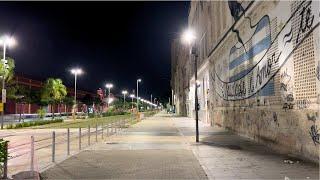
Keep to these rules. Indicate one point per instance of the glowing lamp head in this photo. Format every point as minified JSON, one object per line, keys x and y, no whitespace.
{"x":132,"y":95}
{"x":76,"y":71}
{"x":124,"y":92}
{"x":8,"y":41}
{"x":139,"y":80}
{"x":109,"y":85}
{"x":188,"y":36}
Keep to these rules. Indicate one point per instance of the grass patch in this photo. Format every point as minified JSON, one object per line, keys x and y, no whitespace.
{"x":83,"y":123}
{"x":33,"y":123}
{"x":149,"y":113}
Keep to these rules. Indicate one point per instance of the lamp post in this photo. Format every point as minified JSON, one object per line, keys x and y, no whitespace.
{"x":151,"y":100}
{"x":189,"y":38}
{"x":132,"y":96}
{"x":76,"y":72}
{"x":5,"y":41}
{"x":138,"y":81}
{"x":124,"y":92}
{"x":109,"y":86}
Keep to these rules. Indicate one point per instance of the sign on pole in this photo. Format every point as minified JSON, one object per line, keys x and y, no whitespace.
{"x":1,"y":107}
{"x":4,"y":95}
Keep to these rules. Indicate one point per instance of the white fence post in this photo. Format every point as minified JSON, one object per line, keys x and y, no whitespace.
{"x":53,"y":146}
{"x":68,"y":141}
{"x":79,"y":138}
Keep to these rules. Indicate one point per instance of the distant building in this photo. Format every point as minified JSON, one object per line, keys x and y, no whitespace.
{"x":258,"y":71}
{"x":11,"y":107}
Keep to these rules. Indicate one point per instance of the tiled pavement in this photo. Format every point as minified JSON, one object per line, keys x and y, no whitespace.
{"x":224,"y":155}
{"x":162,"y":147}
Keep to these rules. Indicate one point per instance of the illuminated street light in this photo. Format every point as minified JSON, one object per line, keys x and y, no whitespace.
{"x":125,"y":92}
{"x":76,"y":72}
{"x":132,"y":96}
{"x":138,"y":81}
{"x":189,"y":37}
{"x":10,"y":42}
{"x":109,"y":86}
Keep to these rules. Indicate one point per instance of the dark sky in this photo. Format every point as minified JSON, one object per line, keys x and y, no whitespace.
{"x":111,"y":41}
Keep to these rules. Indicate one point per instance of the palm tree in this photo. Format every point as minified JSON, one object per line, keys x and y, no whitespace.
{"x":53,"y":92}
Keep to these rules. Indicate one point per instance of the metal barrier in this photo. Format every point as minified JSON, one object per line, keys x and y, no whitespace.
{"x":57,"y":139}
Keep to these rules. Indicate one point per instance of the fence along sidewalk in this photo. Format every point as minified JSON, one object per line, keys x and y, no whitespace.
{"x":38,"y":154}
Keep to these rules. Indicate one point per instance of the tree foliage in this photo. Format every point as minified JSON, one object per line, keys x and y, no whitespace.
{"x":53,"y":92}
{"x":8,"y":70}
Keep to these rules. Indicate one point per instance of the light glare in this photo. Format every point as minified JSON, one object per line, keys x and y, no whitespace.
{"x":188,"y":36}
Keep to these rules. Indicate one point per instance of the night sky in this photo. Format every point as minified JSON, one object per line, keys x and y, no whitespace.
{"x":111,"y":41}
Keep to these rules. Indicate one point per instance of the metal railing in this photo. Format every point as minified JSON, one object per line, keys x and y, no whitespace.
{"x":59,"y":145}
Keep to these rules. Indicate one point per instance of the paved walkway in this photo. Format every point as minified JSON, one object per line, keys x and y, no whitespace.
{"x":162,"y":147}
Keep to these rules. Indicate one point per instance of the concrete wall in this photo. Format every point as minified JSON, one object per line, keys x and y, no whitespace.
{"x":259,"y":71}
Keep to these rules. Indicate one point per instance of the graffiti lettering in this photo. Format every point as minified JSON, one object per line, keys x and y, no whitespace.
{"x":312,"y":117}
{"x":287,"y":106}
{"x":303,"y":104}
{"x":314,"y":133}
{"x":306,"y":20}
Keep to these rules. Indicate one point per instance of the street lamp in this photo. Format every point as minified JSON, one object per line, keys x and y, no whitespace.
{"x":109,"y":86}
{"x":189,"y":38}
{"x":76,"y":72}
{"x":125,"y":92}
{"x":5,"y":41}
{"x":132,"y":96}
{"x":138,"y":81}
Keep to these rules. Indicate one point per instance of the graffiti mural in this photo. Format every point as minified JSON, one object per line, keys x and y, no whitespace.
{"x":312,"y":117}
{"x":314,"y":133}
{"x":252,"y":62}
{"x":286,"y":89}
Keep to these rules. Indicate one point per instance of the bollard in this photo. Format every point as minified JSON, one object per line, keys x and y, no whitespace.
{"x":102,"y":131}
{"x":79,"y":138}
{"x":115,"y":127}
{"x":68,"y":141}
{"x":5,"y":161}
{"x":32,"y":154}
{"x":89,"y":135}
{"x":108,"y":130}
{"x":53,"y":146}
{"x":96,"y":133}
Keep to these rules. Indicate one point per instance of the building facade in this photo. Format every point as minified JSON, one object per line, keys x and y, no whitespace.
{"x":258,"y":71}
{"x":12,"y":107}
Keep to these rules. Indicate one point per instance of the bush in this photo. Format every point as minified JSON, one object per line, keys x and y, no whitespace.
{"x":3,"y":153}
{"x":10,"y":126}
{"x":91,"y":115}
{"x":114,"y":113}
{"x":41,"y":113}
{"x":33,"y":123}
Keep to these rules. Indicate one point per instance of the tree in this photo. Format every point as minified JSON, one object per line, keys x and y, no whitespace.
{"x":8,"y":70}
{"x":88,"y":100}
{"x":68,"y":101}
{"x":53,"y":93}
{"x":21,"y":95}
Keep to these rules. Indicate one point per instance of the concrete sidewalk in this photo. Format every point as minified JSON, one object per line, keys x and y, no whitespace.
{"x":151,"y":149}
{"x":224,"y":155}
{"x":162,"y":147}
